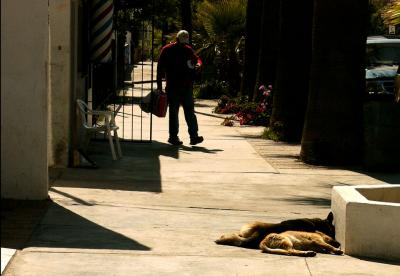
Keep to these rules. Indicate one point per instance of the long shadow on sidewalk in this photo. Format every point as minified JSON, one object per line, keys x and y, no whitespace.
{"x":62,"y":228}
{"x":137,"y":170}
{"x":47,"y":224}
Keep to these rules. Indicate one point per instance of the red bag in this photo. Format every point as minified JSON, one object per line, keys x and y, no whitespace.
{"x":160,"y":104}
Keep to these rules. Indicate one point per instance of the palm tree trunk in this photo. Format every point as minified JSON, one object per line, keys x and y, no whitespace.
{"x":333,"y":125}
{"x":293,"y":69}
{"x":253,"y":26}
{"x":268,"y":50}
{"x":186,"y":13}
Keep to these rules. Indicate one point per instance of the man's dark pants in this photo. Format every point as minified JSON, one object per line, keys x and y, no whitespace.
{"x":177,"y":96}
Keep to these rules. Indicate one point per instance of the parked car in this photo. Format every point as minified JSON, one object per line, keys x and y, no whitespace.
{"x":382,"y":64}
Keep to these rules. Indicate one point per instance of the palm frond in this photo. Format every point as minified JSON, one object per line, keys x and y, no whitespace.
{"x":391,"y":14}
{"x":223,"y":18}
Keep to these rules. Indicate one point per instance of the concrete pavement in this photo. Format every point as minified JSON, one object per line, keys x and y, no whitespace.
{"x":158,"y":210}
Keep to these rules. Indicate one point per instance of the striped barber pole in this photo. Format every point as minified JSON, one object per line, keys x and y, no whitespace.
{"x":101,"y":31}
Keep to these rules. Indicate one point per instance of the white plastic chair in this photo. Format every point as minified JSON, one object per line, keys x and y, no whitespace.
{"x":108,"y":126}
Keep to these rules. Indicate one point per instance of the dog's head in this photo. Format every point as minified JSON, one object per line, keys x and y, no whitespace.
{"x":326,"y":225}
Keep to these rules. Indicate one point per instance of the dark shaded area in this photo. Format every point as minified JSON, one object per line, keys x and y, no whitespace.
{"x":306,"y":200}
{"x":103,"y":85}
{"x":61,"y":228}
{"x":137,"y":170}
{"x":199,"y":149}
{"x":290,"y":93}
{"x":34,"y":223}
{"x":19,"y":219}
{"x":391,"y":262}
{"x":333,"y":123}
{"x":252,"y":47}
{"x":74,"y":198}
{"x":390,"y":178}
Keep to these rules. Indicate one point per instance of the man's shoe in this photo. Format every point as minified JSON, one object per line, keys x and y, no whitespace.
{"x":175,"y":141}
{"x":196,"y":140}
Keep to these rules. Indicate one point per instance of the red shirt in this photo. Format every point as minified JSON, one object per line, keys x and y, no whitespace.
{"x":177,"y":62}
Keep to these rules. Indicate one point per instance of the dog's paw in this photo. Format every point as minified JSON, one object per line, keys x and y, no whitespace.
{"x":335,"y":243}
{"x":221,"y":240}
{"x":228,"y":239}
{"x":310,"y":254}
{"x":339,"y":252}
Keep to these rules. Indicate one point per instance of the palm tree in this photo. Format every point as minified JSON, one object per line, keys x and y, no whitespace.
{"x":186,"y":14}
{"x":252,"y":45}
{"x":333,"y":127}
{"x":391,"y":13}
{"x":223,"y":22}
{"x":268,"y":46}
{"x":293,"y":69}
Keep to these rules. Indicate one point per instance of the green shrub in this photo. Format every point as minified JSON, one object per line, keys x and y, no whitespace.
{"x":271,"y":134}
{"x":246,"y":112}
{"x":210,"y":90}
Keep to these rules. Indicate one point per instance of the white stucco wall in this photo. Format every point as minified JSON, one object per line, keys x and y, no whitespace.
{"x":60,"y":81}
{"x":367,"y":220}
{"x":24,"y":63}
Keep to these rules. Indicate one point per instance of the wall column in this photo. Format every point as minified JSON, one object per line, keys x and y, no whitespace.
{"x":24,"y":99}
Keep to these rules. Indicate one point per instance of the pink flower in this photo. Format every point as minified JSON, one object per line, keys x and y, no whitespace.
{"x":270,"y":86}
{"x":261,"y":88}
{"x":260,"y":109}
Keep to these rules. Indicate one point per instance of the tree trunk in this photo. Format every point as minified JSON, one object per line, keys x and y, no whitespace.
{"x":268,"y":50}
{"x":333,"y":130}
{"x":186,"y":13}
{"x":293,"y":69}
{"x":253,"y":26}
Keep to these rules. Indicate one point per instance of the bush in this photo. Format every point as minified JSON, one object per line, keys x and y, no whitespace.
{"x":273,"y":133}
{"x":210,"y":90}
{"x":227,"y":105}
{"x":249,"y":113}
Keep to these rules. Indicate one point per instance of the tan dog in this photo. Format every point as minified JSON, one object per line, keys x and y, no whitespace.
{"x":250,"y":235}
{"x":298,"y":243}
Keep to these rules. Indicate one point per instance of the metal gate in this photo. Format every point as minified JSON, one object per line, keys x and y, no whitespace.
{"x":137,"y":125}
{"x":124,"y":81}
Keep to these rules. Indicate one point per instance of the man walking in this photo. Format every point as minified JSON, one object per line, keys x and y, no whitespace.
{"x":178,"y":63}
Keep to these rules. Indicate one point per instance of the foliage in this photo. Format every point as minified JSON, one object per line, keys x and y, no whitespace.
{"x":229,"y":121}
{"x":391,"y":13}
{"x":219,"y":26}
{"x":271,"y":134}
{"x":246,"y":112}
{"x":132,"y":13}
{"x":135,"y":15}
{"x":210,"y":89}
{"x":223,"y":19}
{"x":376,"y":25}
{"x":227,"y":105}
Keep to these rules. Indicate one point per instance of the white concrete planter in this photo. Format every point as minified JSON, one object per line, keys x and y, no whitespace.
{"x":367,"y":220}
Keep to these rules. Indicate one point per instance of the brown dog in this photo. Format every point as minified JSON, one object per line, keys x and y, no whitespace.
{"x":299,"y":243}
{"x":252,"y":234}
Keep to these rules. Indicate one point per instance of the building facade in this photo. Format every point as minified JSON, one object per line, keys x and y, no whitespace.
{"x":41,"y":76}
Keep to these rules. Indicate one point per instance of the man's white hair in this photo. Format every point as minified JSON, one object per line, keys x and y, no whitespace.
{"x":183,"y":36}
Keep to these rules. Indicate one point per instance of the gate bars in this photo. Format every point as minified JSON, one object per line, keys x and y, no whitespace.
{"x":104,"y":86}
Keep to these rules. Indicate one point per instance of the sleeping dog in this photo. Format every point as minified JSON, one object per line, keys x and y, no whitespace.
{"x":252,"y":234}
{"x":299,"y":243}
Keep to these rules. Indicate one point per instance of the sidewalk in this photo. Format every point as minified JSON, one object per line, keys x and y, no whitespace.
{"x":158,"y":210}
